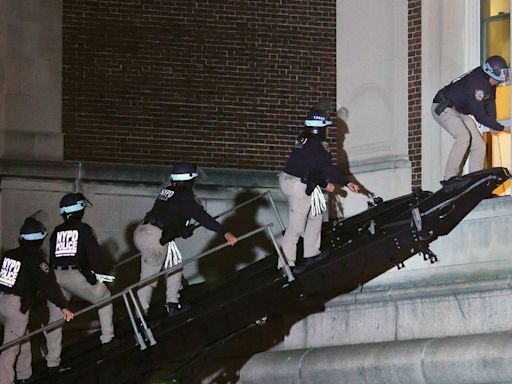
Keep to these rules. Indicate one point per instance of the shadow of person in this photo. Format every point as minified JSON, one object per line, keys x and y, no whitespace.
{"x":108,"y":249}
{"x":127,"y":267}
{"x":336,"y":198}
{"x":216,"y":267}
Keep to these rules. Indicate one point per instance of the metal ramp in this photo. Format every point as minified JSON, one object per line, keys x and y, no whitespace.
{"x":356,"y":250}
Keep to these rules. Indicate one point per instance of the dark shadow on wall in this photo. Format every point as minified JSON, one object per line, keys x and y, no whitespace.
{"x":335,"y":198}
{"x":216,"y":267}
{"x":128,"y":271}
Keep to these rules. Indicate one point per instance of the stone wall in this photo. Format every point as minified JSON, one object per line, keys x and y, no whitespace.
{"x":30,"y":79}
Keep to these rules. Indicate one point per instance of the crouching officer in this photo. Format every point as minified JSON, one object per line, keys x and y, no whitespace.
{"x":473,"y":93}
{"x":23,"y":272}
{"x":168,"y":219}
{"x":308,"y":168}
{"x":75,"y":256}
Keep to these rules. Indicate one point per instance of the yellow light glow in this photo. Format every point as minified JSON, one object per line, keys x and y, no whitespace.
{"x":499,"y":6}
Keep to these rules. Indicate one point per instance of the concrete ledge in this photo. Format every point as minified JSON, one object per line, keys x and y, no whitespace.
{"x":156,"y":174}
{"x":483,"y":359}
{"x":429,"y":291}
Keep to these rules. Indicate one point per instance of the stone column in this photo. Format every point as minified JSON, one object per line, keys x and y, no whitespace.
{"x":30,"y":79}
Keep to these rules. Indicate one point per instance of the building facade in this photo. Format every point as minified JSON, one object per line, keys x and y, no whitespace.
{"x":102,"y":97}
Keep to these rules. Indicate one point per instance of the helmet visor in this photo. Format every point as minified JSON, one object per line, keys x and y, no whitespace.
{"x":78,"y":206}
{"x":183,"y":176}
{"x":504,"y":75}
{"x":33,"y":227}
{"x":33,"y":236}
{"x":317,"y":123}
{"x":500,"y":74}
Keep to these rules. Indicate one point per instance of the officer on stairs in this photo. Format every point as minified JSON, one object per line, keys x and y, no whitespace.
{"x":308,"y":168}
{"x":169,"y":218}
{"x":24,"y":272}
{"x":472,"y":95}
{"x":76,"y":258}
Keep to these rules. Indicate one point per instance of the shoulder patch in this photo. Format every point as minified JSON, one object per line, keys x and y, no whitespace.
{"x":325,"y":144}
{"x":299,"y":143}
{"x":479,"y":94}
{"x":165,"y":194}
{"x":44,"y":267}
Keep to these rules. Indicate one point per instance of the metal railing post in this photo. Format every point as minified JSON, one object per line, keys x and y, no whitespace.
{"x":140,"y":339}
{"x":140,"y":315}
{"x":274,"y":207}
{"x":282,"y":259}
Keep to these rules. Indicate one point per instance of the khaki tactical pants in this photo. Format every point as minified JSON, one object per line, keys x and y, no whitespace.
{"x":147,"y":240}
{"x":72,"y":282}
{"x":300,"y":221}
{"x":15,"y":326}
{"x":467,"y":136}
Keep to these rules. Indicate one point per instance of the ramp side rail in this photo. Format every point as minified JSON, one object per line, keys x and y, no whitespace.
{"x":136,"y":314}
{"x":266,"y":194}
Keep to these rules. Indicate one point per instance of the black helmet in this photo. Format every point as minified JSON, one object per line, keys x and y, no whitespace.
{"x":72,"y":202}
{"x":496,"y":67}
{"x":316,"y":119}
{"x":32,"y":229}
{"x":183,"y":172}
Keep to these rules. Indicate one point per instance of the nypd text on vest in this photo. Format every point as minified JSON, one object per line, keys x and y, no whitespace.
{"x":67,"y":243}
{"x":9,"y":272}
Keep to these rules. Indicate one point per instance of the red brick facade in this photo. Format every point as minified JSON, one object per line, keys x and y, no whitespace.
{"x":224,"y":83}
{"x":414,"y":82}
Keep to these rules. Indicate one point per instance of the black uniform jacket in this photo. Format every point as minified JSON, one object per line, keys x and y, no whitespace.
{"x":74,"y":243}
{"x":471,"y":94}
{"x":24,"y":272}
{"x":310,"y":154}
{"x":173,"y":207}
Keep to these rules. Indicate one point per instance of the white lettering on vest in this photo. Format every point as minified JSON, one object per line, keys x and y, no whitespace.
{"x":67,"y":243}
{"x":9,"y":272}
{"x":165,"y":194}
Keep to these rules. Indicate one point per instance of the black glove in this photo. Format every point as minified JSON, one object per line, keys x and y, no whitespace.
{"x":187,"y":231}
{"x":168,"y":235}
{"x":89,"y":276}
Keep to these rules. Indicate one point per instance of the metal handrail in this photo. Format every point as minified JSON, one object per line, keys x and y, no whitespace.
{"x":128,"y":290}
{"x":266,"y":194}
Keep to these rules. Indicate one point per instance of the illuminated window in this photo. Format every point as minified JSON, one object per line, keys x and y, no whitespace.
{"x":495,"y":29}
{"x":495,"y":40}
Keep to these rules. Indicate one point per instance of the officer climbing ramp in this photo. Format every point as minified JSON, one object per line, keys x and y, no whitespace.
{"x":355,"y":250}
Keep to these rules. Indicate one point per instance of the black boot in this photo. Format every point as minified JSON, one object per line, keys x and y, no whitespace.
{"x":57,"y":370}
{"x":175,"y":308}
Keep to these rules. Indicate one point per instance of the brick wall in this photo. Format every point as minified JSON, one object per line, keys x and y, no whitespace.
{"x":223,"y":83}
{"x":414,"y":80}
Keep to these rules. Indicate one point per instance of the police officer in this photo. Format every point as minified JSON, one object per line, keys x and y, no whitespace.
{"x":309,"y":166}
{"x":175,"y":205}
{"x":23,"y":272}
{"x":473,"y":93}
{"x":75,"y":257}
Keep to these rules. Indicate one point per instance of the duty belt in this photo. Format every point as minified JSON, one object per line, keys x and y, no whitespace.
{"x":153,"y":222}
{"x":66,"y":267}
{"x":442,"y":101}
{"x":292,"y":174}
